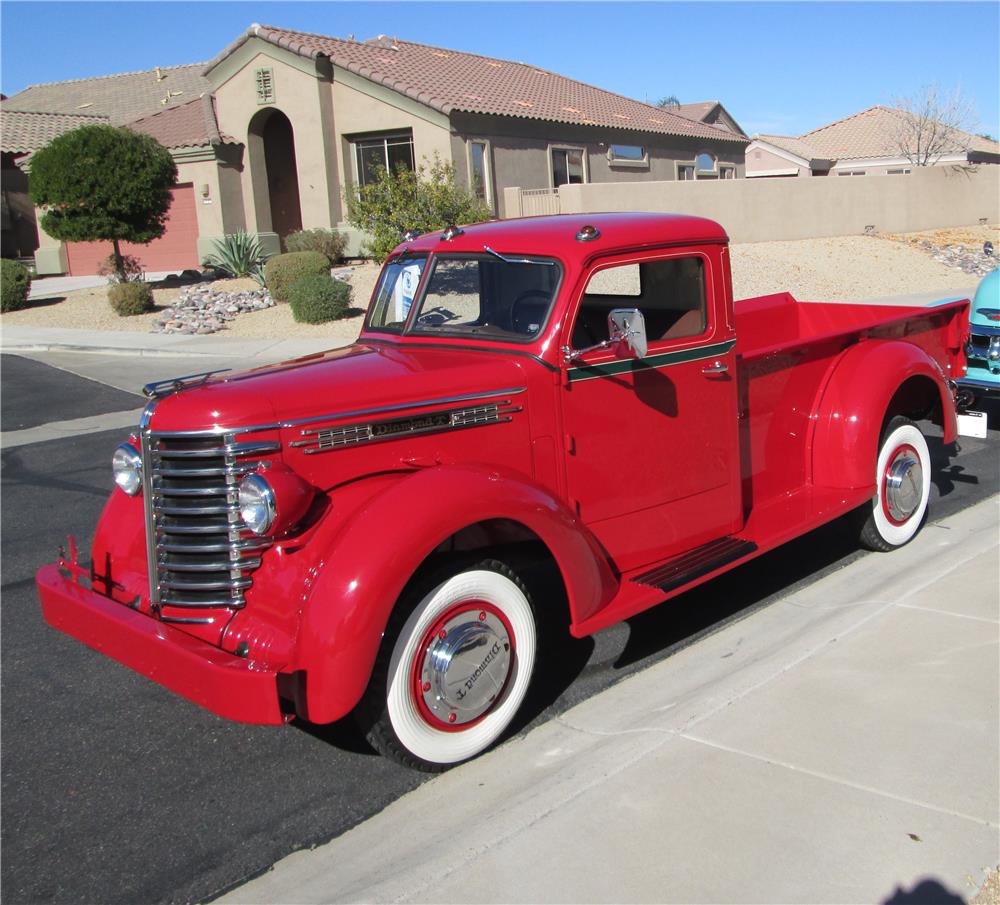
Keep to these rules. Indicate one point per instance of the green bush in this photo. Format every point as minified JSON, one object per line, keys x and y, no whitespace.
{"x":238,"y":254}
{"x":327,"y":241}
{"x":129,"y":299}
{"x":15,"y":281}
{"x":282,"y":271}
{"x":318,"y":298}
{"x":428,"y":199}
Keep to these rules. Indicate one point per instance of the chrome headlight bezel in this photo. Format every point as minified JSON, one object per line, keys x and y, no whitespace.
{"x":257,"y":502}
{"x":126,"y":467}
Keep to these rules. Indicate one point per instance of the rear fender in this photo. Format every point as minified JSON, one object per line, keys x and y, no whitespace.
{"x":376,"y":552}
{"x":854,"y":405}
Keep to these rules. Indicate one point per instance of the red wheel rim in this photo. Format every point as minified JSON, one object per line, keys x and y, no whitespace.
{"x":900,"y":451}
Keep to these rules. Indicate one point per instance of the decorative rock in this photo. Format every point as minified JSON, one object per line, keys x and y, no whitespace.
{"x":200,"y":309}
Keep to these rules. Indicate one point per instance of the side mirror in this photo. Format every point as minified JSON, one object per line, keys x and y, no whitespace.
{"x":626,"y":335}
{"x":627,"y":329}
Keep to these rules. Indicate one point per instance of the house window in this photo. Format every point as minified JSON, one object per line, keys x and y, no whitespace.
{"x":685,"y":171}
{"x":901,"y":171}
{"x":479,"y":171}
{"x":851,"y":173}
{"x":264,"y":78}
{"x":567,"y":167}
{"x":386,"y":152}
{"x":628,"y":156}
{"x":727,"y":172}
{"x":705,"y":163}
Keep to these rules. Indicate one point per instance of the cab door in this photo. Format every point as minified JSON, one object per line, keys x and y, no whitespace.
{"x":652,"y":458}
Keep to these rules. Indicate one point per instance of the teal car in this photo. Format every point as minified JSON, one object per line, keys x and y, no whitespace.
{"x":982,"y":351}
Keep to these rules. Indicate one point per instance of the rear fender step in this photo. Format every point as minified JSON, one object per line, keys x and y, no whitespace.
{"x":692,"y":565}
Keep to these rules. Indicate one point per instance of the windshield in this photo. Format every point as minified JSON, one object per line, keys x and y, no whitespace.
{"x":487,"y":297}
{"x":394,"y":294}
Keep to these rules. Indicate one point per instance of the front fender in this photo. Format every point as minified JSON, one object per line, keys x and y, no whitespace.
{"x":375,"y":553}
{"x":854,"y":403}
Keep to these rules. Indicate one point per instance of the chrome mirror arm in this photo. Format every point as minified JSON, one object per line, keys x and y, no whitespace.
{"x":571,"y":355}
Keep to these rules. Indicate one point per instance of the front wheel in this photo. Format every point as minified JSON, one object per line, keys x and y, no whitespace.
{"x":454,"y":667}
{"x":902,"y":487}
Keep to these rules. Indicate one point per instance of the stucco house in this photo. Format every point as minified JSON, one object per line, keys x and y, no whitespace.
{"x":864,"y":143}
{"x":272,"y":133}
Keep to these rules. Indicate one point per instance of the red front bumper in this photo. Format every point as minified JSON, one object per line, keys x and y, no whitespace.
{"x":228,"y":686}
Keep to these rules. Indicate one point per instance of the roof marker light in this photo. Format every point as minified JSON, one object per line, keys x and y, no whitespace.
{"x":450,"y":233}
{"x":412,"y":234}
{"x":588,"y":233}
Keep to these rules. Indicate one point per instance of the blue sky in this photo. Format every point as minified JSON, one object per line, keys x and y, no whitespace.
{"x":778,"y":67}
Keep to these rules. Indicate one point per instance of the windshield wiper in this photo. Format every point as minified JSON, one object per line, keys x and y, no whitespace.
{"x":507,"y":260}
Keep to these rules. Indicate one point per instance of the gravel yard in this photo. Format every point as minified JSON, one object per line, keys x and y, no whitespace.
{"x":843,"y":268}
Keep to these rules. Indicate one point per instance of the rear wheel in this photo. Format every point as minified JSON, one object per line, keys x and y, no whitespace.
{"x":902,"y":487}
{"x":454,"y":666}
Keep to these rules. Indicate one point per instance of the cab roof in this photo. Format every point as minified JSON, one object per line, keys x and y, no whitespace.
{"x":557,"y":235}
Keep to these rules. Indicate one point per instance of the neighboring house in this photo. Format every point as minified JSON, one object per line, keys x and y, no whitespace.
{"x":863,"y":144}
{"x":272,"y":133}
{"x":711,"y":113}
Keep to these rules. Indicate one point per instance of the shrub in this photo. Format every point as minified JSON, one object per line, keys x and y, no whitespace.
{"x":318,"y":298}
{"x":428,"y":199}
{"x":131,"y":269}
{"x":327,"y":241}
{"x":282,"y":271}
{"x":238,"y":254}
{"x":129,"y":299}
{"x":15,"y":281}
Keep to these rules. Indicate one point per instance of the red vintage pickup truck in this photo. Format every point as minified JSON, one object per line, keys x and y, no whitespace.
{"x":337,"y":534}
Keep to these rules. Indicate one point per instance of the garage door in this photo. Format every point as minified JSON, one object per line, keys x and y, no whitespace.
{"x":176,"y":249}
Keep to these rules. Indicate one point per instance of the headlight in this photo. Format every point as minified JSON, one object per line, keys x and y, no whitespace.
{"x":126,"y":464}
{"x":257,"y":504}
{"x":994,"y":353}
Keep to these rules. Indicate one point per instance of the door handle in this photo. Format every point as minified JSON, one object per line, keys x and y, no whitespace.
{"x":717,"y":367}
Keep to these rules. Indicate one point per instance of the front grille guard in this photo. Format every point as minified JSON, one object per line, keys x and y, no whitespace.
{"x":199,"y":552}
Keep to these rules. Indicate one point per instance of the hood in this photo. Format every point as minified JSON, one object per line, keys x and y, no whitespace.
{"x":986,"y":306}
{"x":355,"y":378}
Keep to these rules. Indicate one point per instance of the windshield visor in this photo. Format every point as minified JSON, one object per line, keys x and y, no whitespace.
{"x":487,"y":297}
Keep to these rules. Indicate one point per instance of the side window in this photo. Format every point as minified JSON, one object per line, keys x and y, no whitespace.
{"x":670,"y":293}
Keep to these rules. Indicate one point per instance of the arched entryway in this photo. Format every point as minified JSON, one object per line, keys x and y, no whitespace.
{"x":272,"y":149}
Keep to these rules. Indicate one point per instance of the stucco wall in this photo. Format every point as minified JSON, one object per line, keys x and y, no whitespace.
{"x":759,"y":210}
{"x":305,"y":99}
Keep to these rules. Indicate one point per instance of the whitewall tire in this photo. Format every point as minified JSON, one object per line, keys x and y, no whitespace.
{"x":902,"y":487}
{"x":454,"y":668}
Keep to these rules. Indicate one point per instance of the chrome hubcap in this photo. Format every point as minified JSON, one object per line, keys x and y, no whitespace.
{"x":465,"y":666}
{"x":903,"y":485}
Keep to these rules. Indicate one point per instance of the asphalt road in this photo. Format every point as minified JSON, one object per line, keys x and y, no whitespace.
{"x":115,"y":790}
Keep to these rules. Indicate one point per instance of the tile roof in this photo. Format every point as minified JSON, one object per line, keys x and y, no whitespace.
{"x":120,"y":98}
{"x":190,"y":125}
{"x":695,"y":111}
{"x":793,"y":145}
{"x":23,"y":131}
{"x":871,"y":133}
{"x":452,"y":81}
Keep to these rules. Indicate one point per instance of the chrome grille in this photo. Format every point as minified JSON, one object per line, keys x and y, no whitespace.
{"x":200,"y":552}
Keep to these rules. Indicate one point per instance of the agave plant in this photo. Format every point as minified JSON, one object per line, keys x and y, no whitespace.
{"x":239,"y":254}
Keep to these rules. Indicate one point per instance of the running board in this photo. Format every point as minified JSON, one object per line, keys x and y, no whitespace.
{"x":692,"y":565}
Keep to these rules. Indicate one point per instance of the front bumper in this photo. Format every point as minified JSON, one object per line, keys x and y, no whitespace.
{"x":229,"y":686}
{"x":981,"y":386}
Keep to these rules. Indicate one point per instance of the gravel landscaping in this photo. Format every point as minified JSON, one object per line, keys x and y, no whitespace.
{"x":845,"y":268}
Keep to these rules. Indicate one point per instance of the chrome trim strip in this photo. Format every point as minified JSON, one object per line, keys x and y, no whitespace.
{"x":360,"y":413}
{"x":327,"y":439}
{"x":146,"y":452}
{"x":232,"y":584}
{"x":189,"y":620}
{"x":222,"y":565}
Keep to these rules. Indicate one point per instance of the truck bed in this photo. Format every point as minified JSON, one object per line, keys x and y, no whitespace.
{"x":773,"y":323}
